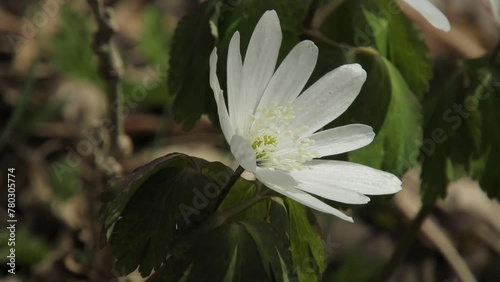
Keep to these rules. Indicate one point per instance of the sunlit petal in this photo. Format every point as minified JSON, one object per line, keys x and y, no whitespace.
{"x":275,"y":180}
{"x":342,"y":139}
{"x":292,"y":74}
{"x":328,"y":98}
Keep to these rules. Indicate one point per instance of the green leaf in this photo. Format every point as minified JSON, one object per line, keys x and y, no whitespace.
{"x":387,"y":101}
{"x":487,"y":97}
{"x":161,"y":200}
{"x":382,"y":25}
{"x":444,"y":131}
{"x":238,"y":251}
{"x":188,"y":79}
{"x":347,"y":25}
{"x":407,"y":49}
{"x":396,"y":145}
{"x":306,"y":245}
{"x":380,"y":30}
{"x":241,"y":192}
{"x":244,"y":16}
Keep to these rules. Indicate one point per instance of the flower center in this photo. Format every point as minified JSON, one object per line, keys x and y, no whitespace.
{"x":264,"y":144}
{"x":275,"y":143}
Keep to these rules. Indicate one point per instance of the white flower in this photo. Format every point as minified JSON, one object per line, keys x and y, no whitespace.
{"x":272,"y":130}
{"x":431,"y":13}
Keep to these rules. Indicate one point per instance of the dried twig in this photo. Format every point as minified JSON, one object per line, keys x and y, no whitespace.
{"x":110,"y":68}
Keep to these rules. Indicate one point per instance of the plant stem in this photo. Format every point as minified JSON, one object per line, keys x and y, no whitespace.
{"x":316,"y":34}
{"x":308,"y":20}
{"x":227,"y":187}
{"x":110,"y":69}
{"x":404,"y":244}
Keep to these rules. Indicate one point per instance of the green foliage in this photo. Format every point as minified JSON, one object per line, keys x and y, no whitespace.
{"x":243,"y":191}
{"x":133,"y":223}
{"x":387,"y":101}
{"x":446,"y":134}
{"x":243,"y":16}
{"x":486,"y":100}
{"x":161,"y":220}
{"x":238,"y":251}
{"x":461,"y":128}
{"x":407,"y":50}
{"x":188,"y":79}
{"x":166,"y":207}
{"x":306,"y":245}
{"x":397,"y":142}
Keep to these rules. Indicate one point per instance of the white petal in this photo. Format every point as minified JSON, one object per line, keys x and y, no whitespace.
{"x":307,"y":183}
{"x":351,"y":176}
{"x":431,"y":13}
{"x":225,"y":122}
{"x":260,"y":62}
{"x":234,"y":69}
{"x":328,"y":98}
{"x":280,"y":182}
{"x":292,"y":75}
{"x":214,"y":81}
{"x":331,"y":192}
{"x":342,"y":139}
{"x":243,"y":153}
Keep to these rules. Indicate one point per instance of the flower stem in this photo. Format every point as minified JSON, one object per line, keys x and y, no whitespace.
{"x":405,"y":243}
{"x":227,"y":187}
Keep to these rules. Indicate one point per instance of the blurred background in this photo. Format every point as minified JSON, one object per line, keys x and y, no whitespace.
{"x":52,"y":104}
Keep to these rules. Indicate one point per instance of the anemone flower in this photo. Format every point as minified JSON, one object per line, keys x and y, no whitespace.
{"x":431,"y":13}
{"x":273,"y":132}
